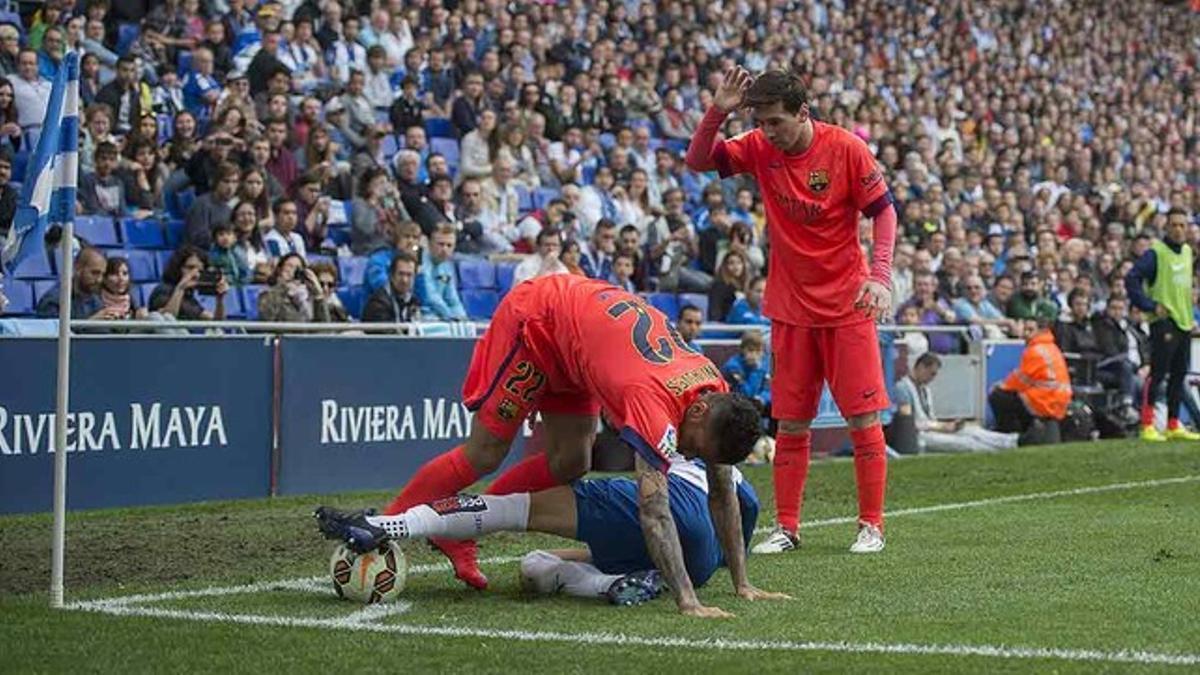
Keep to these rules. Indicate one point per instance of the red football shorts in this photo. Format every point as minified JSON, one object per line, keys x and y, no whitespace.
{"x":506,"y":382}
{"x":847,"y":357}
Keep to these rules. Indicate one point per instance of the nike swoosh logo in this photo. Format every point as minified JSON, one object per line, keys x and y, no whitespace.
{"x":1177,"y":267}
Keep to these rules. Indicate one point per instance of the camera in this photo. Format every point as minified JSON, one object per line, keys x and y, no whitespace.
{"x":207,"y":283}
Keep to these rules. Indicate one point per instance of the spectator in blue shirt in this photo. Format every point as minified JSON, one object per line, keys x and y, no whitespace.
{"x":439,"y":294}
{"x":86,"y":302}
{"x":749,"y":371}
{"x":748,"y":310}
{"x":406,"y":236}
{"x":201,"y":89}
{"x":976,"y":309}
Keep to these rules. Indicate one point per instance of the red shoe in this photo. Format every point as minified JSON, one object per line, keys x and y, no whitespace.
{"x":464,"y":557}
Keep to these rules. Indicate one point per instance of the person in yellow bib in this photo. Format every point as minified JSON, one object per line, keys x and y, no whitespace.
{"x":1160,"y":283}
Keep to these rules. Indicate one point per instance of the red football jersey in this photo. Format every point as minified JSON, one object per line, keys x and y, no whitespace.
{"x":592,"y":336}
{"x":813,"y":201}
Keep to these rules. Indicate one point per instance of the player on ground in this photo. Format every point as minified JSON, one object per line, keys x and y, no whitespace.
{"x":567,"y":346}
{"x":601,"y":513}
{"x":821,"y":297}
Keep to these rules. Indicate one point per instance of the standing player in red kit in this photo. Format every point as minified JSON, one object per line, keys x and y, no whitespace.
{"x":822,"y":298}
{"x":569,"y":347}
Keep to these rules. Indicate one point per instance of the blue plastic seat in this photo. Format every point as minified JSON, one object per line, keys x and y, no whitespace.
{"x":698,"y":300}
{"x":235,"y":304}
{"x":448,"y":148}
{"x":163,"y":257}
{"x":353,"y":299}
{"x":505,"y":274}
{"x":144,"y":291}
{"x":143,"y":265}
{"x":480,"y":304}
{"x":351,"y":270}
{"x":41,"y":288}
{"x":250,"y":300}
{"x":143,"y":233}
{"x":20,"y":298}
{"x":97,"y":231}
{"x":178,"y":203}
{"x":174,"y":231}
{"x":667,"y":303}
{"x":35,"y":266}
{"x":127,"y":34}
{"x":476,"y":274}
{"x":524,"y":198}
{"x":439,"y":127}
{"x":542,"y":197}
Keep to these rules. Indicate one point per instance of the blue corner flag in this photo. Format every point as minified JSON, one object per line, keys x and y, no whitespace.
{"x":48,"y":193}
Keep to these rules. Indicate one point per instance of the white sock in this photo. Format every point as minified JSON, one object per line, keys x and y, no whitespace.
{"x":459,"y":517}
{"x":550,"y":574}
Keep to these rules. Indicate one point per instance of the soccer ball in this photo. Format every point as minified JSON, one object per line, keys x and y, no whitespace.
{"x":369,"y":578}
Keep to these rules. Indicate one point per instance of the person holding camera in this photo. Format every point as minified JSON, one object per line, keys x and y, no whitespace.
{"x":188,"y":274}
{"x":294,"y":294}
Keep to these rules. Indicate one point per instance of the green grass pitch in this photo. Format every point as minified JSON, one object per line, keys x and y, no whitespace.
{"x":1071,"y":558}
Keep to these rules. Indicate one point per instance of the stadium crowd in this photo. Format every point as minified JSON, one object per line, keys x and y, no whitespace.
{"x":399,"y":161}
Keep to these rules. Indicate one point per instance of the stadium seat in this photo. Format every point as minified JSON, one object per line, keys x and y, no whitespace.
{"x":696,"y":299}
{"x":208,"y":302}
{"x":235,"y":304}
{"x":164,"y":257}
{"x":677,"y":146}
{"x":353,"y":298}
{"x":608,"y":140}
{"x":447,"y":147}
{"x":542,"y":197}
{"x":20,"y":298}
{"x":667,"y":303}
{"x":41,"y":288}
{"x":351,"y":270}
{"x":178,"y":203}
{"x":504,"y":276}
{"x":439,"y":127}
{"x":391,"y":145}
{"x":144,"y":291}
{"x":524,"y":198}
{"x":480,"y":304}
{"x":97,"y":231}
{"x":338,"y":236}
{"x":146,"y":233}
{"x":127,"y":34}
{"x":143,"y":265}
{"x":314,"y":258}
{"x":250,"y":300}
{"x":36,"y":266}
{"x":183,"y":63}
{"x":174,"y":232}
{"x":476,"y":274}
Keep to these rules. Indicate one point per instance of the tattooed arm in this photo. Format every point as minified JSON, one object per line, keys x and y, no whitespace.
{"x":723,"y":504}
{"x":662,"y":540}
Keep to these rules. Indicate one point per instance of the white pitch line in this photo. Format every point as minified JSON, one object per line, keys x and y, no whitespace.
{"x":1010,"y":499}
{"x":375,"y":612}
{"x":620,"y":640}
{"x":318,"y":584}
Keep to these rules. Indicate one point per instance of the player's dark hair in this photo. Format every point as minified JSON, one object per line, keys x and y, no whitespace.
{"x":736,"y":425}
{"x":1177,"y":211}
{"x":777,"y":86}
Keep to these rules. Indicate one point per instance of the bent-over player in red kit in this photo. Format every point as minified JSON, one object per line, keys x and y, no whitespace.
{"x":569,"y":347}
{"x":822,"y":298}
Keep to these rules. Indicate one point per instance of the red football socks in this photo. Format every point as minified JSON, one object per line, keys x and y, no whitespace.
{"x":531,"y":474}
{"x":870,"y":472}
{"x":442,"y":476}
{"x":1172,"y":423}
{"x":790,"y":471}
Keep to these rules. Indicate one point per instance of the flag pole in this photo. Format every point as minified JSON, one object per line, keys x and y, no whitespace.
{"x":65,"y":167}
{"x":61,"y":405}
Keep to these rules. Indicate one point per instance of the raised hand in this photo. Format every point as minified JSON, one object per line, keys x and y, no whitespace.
{"x":733,"y":89}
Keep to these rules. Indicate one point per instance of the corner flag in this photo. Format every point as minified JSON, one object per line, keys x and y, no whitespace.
{"x":48,"y":192}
